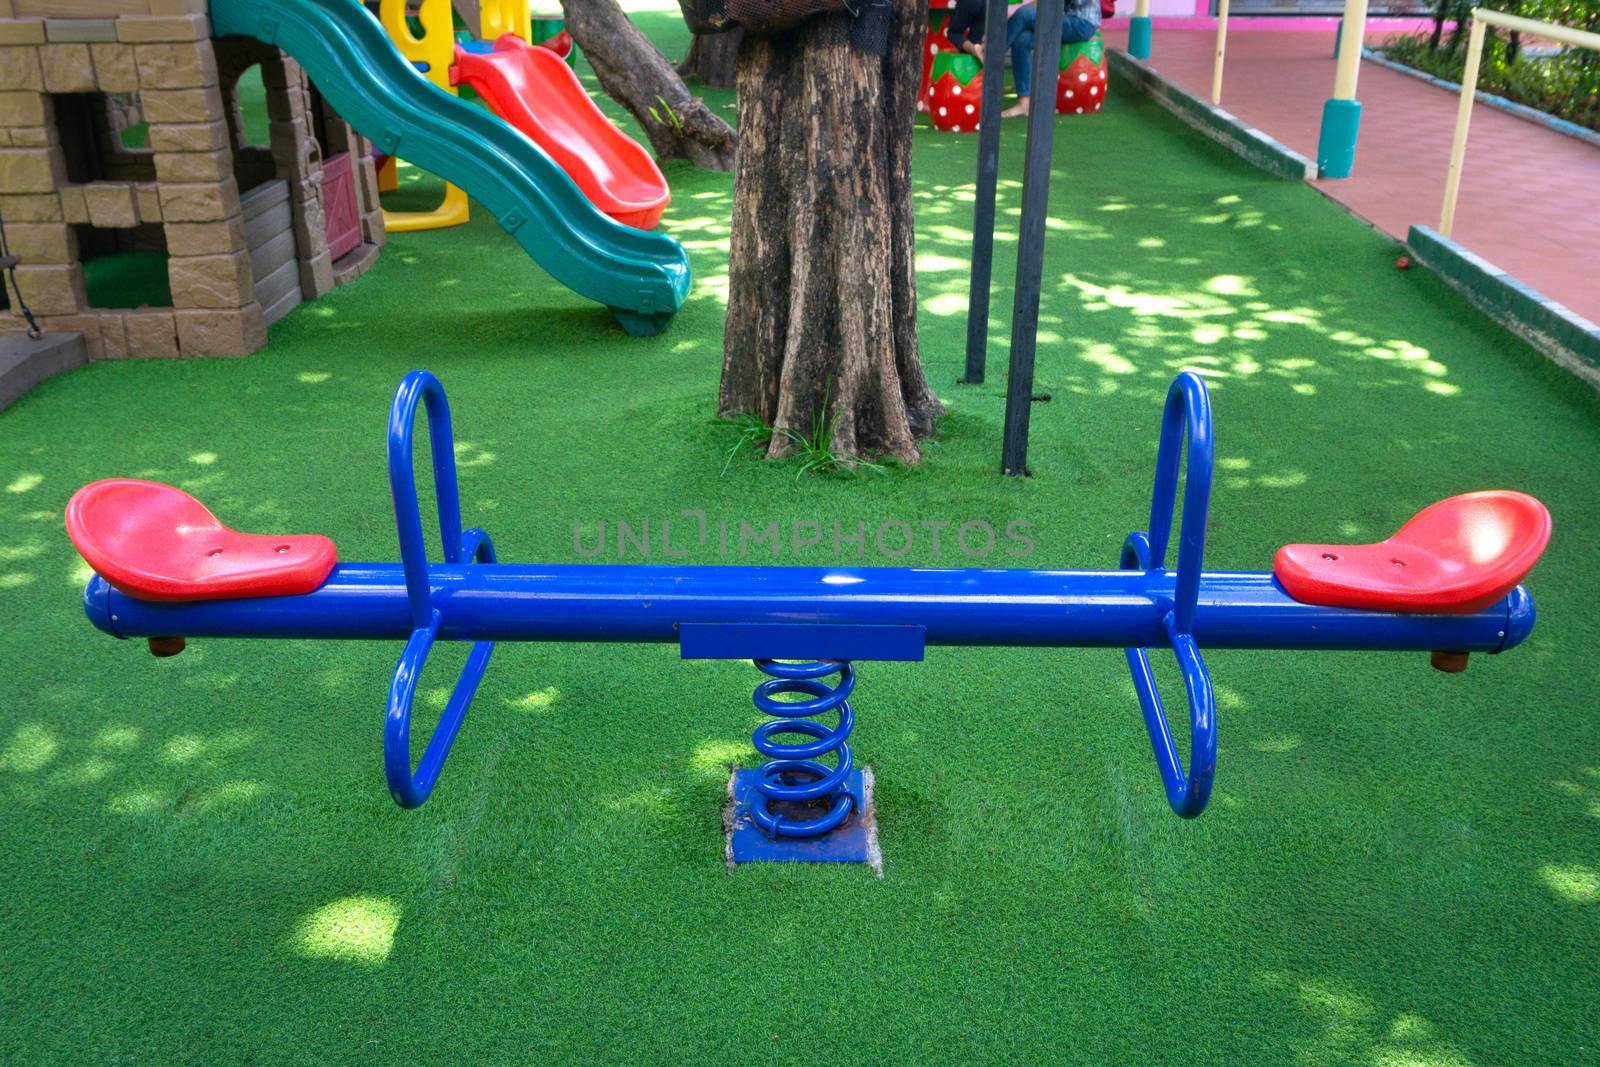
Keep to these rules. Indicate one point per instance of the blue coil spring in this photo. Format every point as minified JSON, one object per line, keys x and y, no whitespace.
{"x":793,"y":773}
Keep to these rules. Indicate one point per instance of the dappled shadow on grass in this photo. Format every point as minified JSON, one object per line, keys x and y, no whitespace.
{"x":1139,"y":286}
{"x":1341,"y":387}
{"x":214,"y":830}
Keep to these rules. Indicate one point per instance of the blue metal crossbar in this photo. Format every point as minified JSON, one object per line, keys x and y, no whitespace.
{"x":833,"y":616}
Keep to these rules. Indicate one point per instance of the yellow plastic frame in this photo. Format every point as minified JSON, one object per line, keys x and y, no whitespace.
{"x":506,"y":16}
{"x":436,"y":49}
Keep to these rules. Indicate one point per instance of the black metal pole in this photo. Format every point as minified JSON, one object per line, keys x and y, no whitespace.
{"x":994,"y":42}
{"x":1030,"y":244}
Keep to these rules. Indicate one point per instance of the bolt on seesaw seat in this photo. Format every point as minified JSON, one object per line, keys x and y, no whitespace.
{"x":1446,"y":583}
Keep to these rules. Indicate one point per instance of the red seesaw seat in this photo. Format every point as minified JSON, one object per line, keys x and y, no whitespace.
{"x":155,"y":542}
{"x":1457,"y":556}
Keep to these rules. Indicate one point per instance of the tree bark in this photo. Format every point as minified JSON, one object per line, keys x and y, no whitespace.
{"x":713,"y":58}
{"x":470,"y":13}
{"x":634,"y":73}
{"x":822,"y":309}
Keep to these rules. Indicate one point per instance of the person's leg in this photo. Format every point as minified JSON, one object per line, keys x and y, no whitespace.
{"x":1077,"y":30}
{"x":1019,"y":38}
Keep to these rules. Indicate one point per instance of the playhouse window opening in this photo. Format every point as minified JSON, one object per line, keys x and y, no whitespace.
{"x":104,"y":137}
{"x":246,"y":101}
{"x":124,"y":268}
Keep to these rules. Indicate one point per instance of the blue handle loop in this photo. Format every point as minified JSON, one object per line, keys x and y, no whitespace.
{"x":420,"y":386}
{"x":412,"y":788}
{"x":1187,"y":417}
{"x":1188,"y":409}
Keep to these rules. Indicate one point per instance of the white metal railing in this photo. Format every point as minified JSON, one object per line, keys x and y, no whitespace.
{"x":1222,"y":48}
{"x":1482,"y":18}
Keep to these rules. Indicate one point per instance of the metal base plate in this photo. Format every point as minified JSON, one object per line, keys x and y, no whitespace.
{"x":854,"y":842}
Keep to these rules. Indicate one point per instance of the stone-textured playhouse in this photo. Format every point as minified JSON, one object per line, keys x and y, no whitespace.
{"x":123,"y":152}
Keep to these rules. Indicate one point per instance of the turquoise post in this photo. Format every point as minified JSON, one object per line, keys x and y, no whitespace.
{"x":1341,"y":115}
{"x":1336,"y":145}
{"x":1337,"y":34}
{"x":1139,"y":37}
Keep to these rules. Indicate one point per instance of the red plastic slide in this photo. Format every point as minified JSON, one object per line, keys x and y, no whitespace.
{"x":535,"y":91}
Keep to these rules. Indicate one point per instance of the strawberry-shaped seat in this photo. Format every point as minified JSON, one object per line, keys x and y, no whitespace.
{"x":1457,"y":556}
{"x":955,"y":92}
{"x":1081,"y":84}
{"x":155,"y":542}
{"x":560,"y":44}
{"x":548,"y":29}
{"x":934,"y":43}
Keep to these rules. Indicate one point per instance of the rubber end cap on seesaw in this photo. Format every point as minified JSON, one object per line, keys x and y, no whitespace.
{"x":1448,"y":662}
{"x":165,"y":647}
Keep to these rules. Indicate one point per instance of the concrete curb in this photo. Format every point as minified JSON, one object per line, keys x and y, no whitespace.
{"x":24,"y":362}
{"x":1560,"y":334}
{"x":1247,"y":142}
{"x":1522,"y":111}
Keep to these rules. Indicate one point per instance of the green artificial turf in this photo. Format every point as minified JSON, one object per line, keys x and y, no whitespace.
{"x":128,"y":280}
{"x":1398,"y":866}
{"x":254,"y":119}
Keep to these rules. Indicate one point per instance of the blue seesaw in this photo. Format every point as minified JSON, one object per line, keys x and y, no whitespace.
{"x":1446,"y":583}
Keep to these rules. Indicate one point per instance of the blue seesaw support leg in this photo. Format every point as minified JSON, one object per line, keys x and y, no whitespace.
{"x":853,"y":841}
{"x":794,"y":807}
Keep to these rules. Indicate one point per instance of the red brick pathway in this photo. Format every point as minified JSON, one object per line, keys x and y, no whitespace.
{"x":1530,"y":197}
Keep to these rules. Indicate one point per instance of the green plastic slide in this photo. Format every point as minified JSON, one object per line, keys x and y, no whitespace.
{"x":642,"y":277}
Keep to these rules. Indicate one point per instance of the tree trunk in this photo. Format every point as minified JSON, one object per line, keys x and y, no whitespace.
{"x":636,"y":75}
{"x":470,"y":12}
{"x":822,"y":308}
{"x":713,"y":58}
{"x":1441,"y":12}
{"x":1462,"y":16}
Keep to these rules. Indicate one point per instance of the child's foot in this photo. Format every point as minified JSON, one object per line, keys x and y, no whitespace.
{"x":1019,"y":108}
